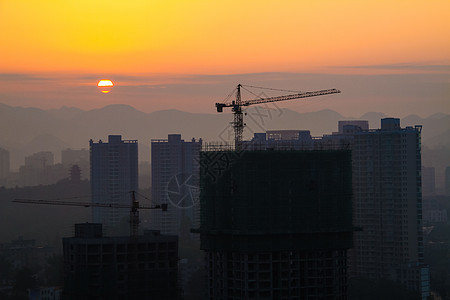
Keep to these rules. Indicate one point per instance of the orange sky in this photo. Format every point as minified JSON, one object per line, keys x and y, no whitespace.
{"x":166,"y":54}
{"x":216,"y":37}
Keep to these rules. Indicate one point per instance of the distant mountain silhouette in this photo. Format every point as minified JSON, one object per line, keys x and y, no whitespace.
{"x":28,"y":130}
{"x":436,"y":129}
{"x":374,"y":118}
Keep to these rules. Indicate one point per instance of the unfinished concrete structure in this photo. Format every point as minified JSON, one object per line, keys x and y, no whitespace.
{"x":276,"y":224}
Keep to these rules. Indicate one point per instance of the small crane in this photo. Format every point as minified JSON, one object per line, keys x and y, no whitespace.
{"x":237,"y":104}
{"x":134,"y":206}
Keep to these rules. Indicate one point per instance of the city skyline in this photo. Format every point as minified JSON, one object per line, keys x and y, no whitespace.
{"x":274,"y":185}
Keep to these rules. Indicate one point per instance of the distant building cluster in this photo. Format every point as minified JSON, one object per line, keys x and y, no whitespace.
{"x":25,"y":253}
{"x":40,"y":168}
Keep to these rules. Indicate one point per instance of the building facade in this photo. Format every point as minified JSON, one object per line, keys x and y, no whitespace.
{"x":114,"y":174}
{"x":428,"y":181}
{"x":25,"y":253}
{"x":447,"y":181}
{"x":140,"y":267}
{"x":175,"y":169}
{"x":387,"y":202}
{"x":434,"y":210}
{"x":4,"y":164}
{"x":276,"y":224}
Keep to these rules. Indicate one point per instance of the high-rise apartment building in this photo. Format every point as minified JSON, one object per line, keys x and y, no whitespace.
{"x":120,"y":267}
{"x":276,"y":224}
{"x":4,"y":163}
{"x":114,"y":174}
{"x":175,"y":169}
{"x":40,"y":160}
{"x":447,"y":181}
{"x":362,"y":124}
{"x":428,"y":181}
{"x":387,"y":203}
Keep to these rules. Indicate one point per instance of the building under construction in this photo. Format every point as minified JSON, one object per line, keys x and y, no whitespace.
{"x":276,"y":224}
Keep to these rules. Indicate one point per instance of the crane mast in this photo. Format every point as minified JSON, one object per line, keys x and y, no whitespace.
{"x":238,"y":123}
{"x":237,"y":104}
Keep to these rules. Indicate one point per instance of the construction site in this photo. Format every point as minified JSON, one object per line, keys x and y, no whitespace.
{"x":274,"y":224}
{"x":277,"y":224}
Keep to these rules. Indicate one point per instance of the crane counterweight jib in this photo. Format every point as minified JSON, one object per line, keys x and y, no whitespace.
{"x":133,"y":206}
{"x":220,"y":107}
{"x":87,"y":204}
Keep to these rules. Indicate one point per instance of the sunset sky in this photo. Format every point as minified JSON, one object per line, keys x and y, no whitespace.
{"x":188,"y":55}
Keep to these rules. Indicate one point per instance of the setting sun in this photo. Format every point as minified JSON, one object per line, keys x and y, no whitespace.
{"x":105,"y":83}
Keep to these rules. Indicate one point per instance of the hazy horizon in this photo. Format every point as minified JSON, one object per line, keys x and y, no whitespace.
{"x":415,"y":91}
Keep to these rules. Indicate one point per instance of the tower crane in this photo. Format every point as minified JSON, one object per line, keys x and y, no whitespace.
{"x":237,"y":104}
{"x":134,"y":207}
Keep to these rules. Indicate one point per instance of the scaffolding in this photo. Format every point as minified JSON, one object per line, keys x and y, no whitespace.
{"x":276,"y":200}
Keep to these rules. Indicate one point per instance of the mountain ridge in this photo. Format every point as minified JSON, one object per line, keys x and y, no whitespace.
{"x":74,"y":127}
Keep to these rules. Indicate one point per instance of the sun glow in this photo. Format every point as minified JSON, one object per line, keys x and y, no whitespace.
{"x":105,"y":83}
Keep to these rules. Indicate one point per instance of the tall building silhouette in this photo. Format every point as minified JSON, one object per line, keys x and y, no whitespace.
{"x":447,"y":181}
{"x":175,"y":170}
{"x":114,"y":173}
{"x":428,"y":181}
{"x":388,"y":205}
{"x":4,"y":164}
{"x":276,"y":224}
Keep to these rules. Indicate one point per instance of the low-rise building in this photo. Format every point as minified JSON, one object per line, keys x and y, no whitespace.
{"x":120,"y":267}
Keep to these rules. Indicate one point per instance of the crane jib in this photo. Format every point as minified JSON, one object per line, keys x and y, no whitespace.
{"x":290,"y":97}
{"x":220,"y":106}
